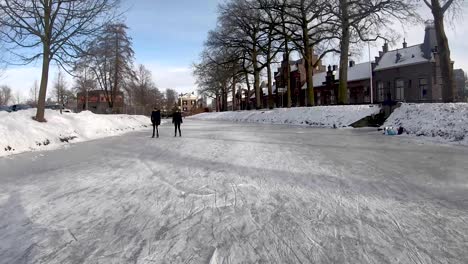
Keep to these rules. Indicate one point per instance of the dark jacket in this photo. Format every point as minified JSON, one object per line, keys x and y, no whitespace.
{"x":156,"y":117}
{"x":177,"y":118}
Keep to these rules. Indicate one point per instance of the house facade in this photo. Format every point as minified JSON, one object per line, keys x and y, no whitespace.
{"x":405,"y":74}
{"x":410,"y":74}
{"x":188,"y":102}
{"x":460,"y":83}
{"x":297,"y":80}
{"x":98,"y":103}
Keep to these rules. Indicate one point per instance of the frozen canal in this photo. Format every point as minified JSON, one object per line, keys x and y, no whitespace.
{"x":237,"y":193}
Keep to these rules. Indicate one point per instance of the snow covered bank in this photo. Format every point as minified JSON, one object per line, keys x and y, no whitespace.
{"x":439,"y":122}
{"x":320,"y":116}
{"x":19,"y":133}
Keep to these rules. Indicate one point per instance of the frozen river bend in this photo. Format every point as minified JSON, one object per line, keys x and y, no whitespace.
{"x":237,"y":193}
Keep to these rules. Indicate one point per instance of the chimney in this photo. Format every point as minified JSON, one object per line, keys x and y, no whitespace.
{"x":385,"y":47}
{"x":405,"y":45}
{"x":351,"y":63}
{"x":430,"y":40}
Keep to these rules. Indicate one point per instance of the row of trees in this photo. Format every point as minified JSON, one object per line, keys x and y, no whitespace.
{"x":250,"y":34}
{"x":85,"y":39}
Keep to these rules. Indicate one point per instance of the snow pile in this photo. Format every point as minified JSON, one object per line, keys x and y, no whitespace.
{"x":319,"y":116}
{"x":443,"y":122}
{"x":19,"y":133}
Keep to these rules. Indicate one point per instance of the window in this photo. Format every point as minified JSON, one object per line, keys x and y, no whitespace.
{"x":423,"y":88}
{"x":380,"y":91}
{"x":400,"y":90}
{"x":192,"y":102}
{"x":184,"y":103}
{"x":185,"y":109}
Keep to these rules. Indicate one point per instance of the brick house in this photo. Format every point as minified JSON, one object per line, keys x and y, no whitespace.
{"x":98,"y":103}
{"x":410,"y":74}
{"x":326,"y":84}
{"x":297,"y":79}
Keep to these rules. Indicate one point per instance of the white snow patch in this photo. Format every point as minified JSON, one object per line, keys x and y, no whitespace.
{"x":20,"y":133}
{"x":441,"y":122}
{"x":319,"y":116}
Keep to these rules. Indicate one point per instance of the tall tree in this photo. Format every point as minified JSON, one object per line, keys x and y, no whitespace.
{"x":143,"y":92}
{"x":170,"y":99}
{"x":363,"y":21}
{"x":5,"y":95}
{"x":60,"y":89}
{"x":110,"y":58}
{"x":51,"y":30}
{"x":439,"y":8}
{"x":84,"y":79}
{"x":309,"y":22}
{"x":33,"y":92}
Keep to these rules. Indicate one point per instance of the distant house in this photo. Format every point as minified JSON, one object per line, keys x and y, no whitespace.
{"x":188,"y":102}
{"x":98,"y":103}
{"x":411,"y":74}
{"x":297,"y":80}
{"x":460,"y":82}
{"x":326,"y":84}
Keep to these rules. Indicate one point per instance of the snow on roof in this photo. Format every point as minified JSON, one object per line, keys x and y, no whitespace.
{"x":401,"y":57}
{"x":358,"y":72}
{"x":293,"y":67}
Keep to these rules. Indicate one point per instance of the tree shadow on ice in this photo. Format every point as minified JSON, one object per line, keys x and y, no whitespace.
{"x":18,"y":234}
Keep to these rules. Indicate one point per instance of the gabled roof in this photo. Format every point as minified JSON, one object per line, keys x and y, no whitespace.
{"x":358,"y":72}
{"x":402,"y":57}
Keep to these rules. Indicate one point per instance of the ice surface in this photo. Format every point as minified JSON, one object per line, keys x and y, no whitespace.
{"x":237,"y":193}
{"x":320,"y":116}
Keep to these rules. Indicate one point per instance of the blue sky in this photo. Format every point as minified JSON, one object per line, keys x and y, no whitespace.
{"x":168,"y":37}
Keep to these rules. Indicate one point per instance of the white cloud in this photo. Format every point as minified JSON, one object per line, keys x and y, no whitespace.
{"x":175,"y":77}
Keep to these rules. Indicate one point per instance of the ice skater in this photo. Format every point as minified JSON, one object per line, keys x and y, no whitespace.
{"x":156,"y":120}
{"x":177,"y":120}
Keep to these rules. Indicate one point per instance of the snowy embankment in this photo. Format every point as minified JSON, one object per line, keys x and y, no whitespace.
{"x":20,"y":133}
{"x":437,"y":122}
{"x":320,"y":116}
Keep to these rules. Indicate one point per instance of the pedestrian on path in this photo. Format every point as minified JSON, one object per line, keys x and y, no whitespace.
{"x":177,"y":120}
{"x":156,"y":120}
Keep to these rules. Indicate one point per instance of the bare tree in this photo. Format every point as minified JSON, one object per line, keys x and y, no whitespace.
{"x":170,"y":99}
{"x":60,"y":89}
{"x":84,"y":79}
{"x":110,"y":57}
{"x":142,"y":91}
{"x":51,"y":30}
{"x":33,"y":93}
{"x":5,"y":95}
{"x":439,"y":8}
{"x":363,"y":21}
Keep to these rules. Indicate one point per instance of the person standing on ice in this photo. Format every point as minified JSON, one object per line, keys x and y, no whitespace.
{"x":156,"y":120}
{"x":177,"y":120}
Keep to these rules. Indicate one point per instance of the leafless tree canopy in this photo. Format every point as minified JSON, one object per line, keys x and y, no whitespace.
{"x":5,"y":95}
{"x":51,"y":30}
{"x":110,"y":58}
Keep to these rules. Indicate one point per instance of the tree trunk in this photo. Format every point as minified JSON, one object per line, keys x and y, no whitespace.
{"x":309,"y":73}
{"x":44,"y":81}
{"x":444,"y":52}
{"x":247,"y":99}
{"x":344,"y":55}
{"x":258,"y":93}
{"x":234,"y":93}
{"x":270,"y":90}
